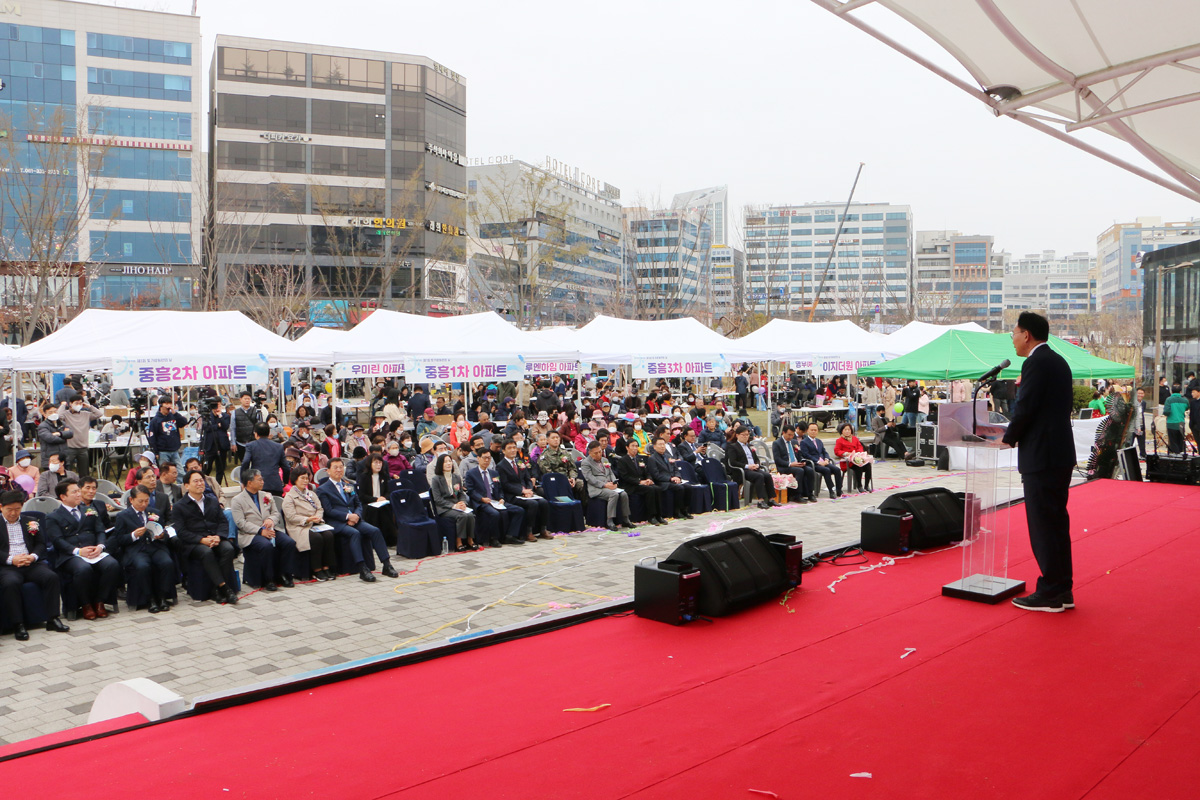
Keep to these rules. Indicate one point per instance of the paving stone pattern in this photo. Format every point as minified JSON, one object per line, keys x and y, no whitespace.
{"x":198,"y":648}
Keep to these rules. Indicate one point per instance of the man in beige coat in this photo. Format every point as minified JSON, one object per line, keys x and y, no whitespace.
{"x":269,"y":551}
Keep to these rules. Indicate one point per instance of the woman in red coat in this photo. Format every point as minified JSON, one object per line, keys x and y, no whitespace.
{"x":844,"y":450}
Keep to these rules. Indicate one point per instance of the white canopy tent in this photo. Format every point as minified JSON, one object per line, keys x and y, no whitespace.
{"x":95,"y":338}
{"x":1066,"y":66}
{"x":608,"y":340}
{"x":789,"y":340}
{"x":322,"y":340}
{"x":386,"y":335}
{"x":7,"y":351}
{"x":918,"y":334}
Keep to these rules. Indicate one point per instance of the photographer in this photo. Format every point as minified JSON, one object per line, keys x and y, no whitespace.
{"x":164,"y":433}
{"x":214,"y":437}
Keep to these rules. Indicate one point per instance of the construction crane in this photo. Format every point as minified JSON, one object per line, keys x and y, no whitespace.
{"x":833,"y":250}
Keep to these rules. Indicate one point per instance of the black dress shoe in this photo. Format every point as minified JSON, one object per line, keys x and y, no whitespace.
{"x":164,"y":606}
{"x":154,"y":607}
{"x":812,"y":498}
{"x":1040,"y":602}
{"x":365,"y":574}
{"x":513,"y":540}
{"x":56,"y":625}
{"x":389,"y":571}
{"x":627,"y":524}
{"x":659,"y":521}
{"x":462,"y":548}
{"x":494,"y":543}
{"x":287,"y":582}
{"x":231,"y":596}
{"x":611,"y":526}
{"x":22,"y":635}
{"x":763,"y":504}
{"x":270,"y":587}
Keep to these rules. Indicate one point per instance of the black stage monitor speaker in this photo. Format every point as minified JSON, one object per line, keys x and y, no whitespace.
{"x":886,"y":533}
{"x":1173,"y":468}
{"x":738,"y":568}
{"x":937,"y":515}
{"x":666,"y":591}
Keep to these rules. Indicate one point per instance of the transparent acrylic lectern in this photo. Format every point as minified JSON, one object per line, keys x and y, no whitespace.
{"x":992,"y":484}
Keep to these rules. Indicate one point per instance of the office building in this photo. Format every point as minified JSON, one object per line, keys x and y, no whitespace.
{"x":1061,"y":296}
{"x":713,"y":205}
{"x":544,"y":241}
{"x":668,"y":263}
{"x":727,"y":294}
{"x":341,"y":171}
{"x":789,"y":264}
{"x":1118,"y":250}
{"x":1049,"y":262}
{"x":959,"y":279}
{"x":101,"y":110}
{"x":1178,"y":352}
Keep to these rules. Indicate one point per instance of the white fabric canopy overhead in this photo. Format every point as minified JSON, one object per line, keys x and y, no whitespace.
{"x":1131,"y":70}
{"x":918,"y":334}
{"x":7,"y":351}
{"x":97,"y":336}
{"x":789,"y":340}
{"x":608,"y":340}
{"x":386,"y":335}
{"x":322,"y":340}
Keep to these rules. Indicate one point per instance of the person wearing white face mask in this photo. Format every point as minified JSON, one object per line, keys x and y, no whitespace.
{"x":53,"y":434}
{"x":55,"y":471}
{"x":77,"y":415}
{"x":24,"y":466}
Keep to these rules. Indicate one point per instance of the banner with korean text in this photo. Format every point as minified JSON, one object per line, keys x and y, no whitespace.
{"x":836,"y":364}
{"x":368,"y":369}
{"x":451,"y":369}
{"x":552,"y":368}
{"x":655,"y":367}
{"x":162,"y":371}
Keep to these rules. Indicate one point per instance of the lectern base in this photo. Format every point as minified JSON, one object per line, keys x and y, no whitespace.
{"x":984,"y":588}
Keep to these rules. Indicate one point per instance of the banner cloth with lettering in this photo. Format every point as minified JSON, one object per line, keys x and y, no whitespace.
{"x":836,"y":364}
{"x":200,"y":370}
{"x":665,"y":367}
{"x":368,"y":369}
{"x":452,"y":369}
{"x":534,"y":367}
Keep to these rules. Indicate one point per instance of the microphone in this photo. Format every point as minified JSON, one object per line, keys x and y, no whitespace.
{"x":996,"y":370}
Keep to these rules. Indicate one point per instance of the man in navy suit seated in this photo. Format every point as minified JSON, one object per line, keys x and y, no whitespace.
{"x":146,"y":556}
{"x":344,"y":511}
{"x":814,"y":450}
{"x":76,"y":536}
{"x":517,"y":489}
{"x":23,"y":559}
{"x":487,"y":498}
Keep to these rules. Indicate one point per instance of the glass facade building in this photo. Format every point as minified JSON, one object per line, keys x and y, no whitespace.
{"x":121,"y":86}
{"x":345,"y":167}
{"x":1179,"y":267}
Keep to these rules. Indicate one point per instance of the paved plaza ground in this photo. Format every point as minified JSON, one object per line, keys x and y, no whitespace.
{"x":200,"y":648}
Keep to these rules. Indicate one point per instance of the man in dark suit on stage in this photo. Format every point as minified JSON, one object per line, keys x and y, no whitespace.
{"x":77,"y":538}
{"x":1041,"y":426}
{"x":23,"y":559}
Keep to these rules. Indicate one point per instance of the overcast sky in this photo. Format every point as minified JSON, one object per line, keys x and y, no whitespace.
{"x":778,"y":99}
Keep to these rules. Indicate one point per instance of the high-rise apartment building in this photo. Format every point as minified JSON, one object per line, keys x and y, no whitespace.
{"x":101,"y":136}
{"x":339,"y":176}
{"x":544,"y":241}
{"x":726,"y":295}
{"x":788,"y":249}
{"x":959,"y":279}
{"x":1117,"y":249}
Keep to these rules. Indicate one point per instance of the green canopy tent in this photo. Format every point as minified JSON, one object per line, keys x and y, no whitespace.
{"x":966,"y":355}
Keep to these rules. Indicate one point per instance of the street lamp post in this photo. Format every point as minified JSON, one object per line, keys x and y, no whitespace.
{"x":1158,"y":315}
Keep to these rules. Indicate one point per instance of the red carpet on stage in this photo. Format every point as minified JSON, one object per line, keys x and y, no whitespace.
{"x":794,"y":699}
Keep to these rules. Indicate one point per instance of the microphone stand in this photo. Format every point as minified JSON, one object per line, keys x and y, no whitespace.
{"x":974,"y":407}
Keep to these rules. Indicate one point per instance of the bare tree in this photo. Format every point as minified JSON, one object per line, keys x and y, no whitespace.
{"x":276,"y":296}
{"x":50,"y":175}
{"x":525,"y":257}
